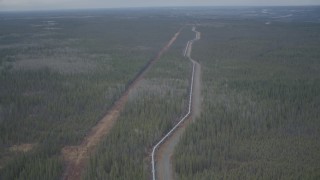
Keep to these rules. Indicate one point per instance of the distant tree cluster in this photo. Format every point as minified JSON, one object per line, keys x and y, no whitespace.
{"x":56,"y":84}
{"x":260,"y":116}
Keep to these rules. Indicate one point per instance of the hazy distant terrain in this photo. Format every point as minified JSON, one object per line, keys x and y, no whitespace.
{"x":61,"y":71}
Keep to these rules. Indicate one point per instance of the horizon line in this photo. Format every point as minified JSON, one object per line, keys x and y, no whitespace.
{"x":151,"y":7}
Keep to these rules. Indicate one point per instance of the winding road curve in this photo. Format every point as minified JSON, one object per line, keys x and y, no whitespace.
{"x":162,"y":152}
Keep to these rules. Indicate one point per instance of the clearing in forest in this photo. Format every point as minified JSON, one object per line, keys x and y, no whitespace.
{"x":164,"y":168}
{"x":76,"y":157}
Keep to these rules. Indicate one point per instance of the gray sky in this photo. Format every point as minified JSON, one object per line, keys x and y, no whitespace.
{"x":73,"y":4}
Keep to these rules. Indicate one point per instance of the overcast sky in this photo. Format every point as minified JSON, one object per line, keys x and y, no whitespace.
{"x":74,"y":4}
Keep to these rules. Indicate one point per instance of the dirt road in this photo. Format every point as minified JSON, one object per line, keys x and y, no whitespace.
{"x":76,"y":157}
{"x":164,"y":168}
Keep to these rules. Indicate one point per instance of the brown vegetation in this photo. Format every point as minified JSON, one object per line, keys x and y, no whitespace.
{"x":77,"y":156}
